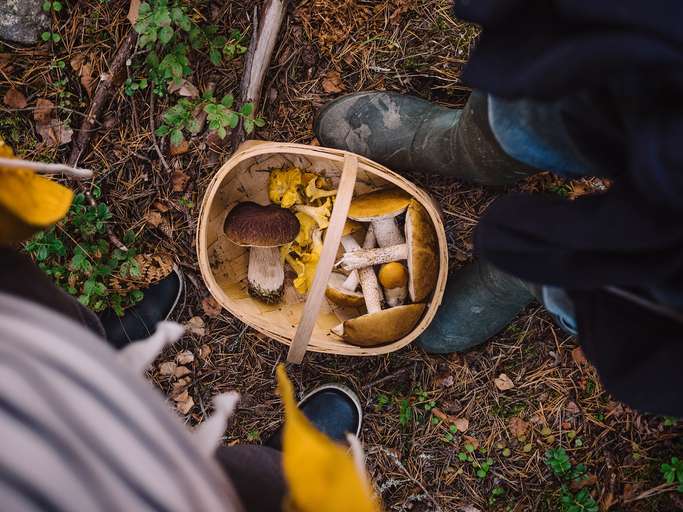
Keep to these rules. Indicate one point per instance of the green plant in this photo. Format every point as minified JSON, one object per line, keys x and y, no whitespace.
{"x":582,"y":501}
{"x":253,"y":436}
{"x":382,"y":401}
{"x":673,"y":472}
{"x":52,"y":6}
{"x":79,"y":258}
{"x":496,"y":492}
{"x":405,"y":413}
{"x":220,"y":116}
{"x":558,"y":461}
{"x":131,"y":86}
{"x":669,"y":421}
{"x":50,"y":36}
{"x":218,"y":46}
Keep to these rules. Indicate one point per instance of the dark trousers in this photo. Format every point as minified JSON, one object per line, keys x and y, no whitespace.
{"x":255,"y":471}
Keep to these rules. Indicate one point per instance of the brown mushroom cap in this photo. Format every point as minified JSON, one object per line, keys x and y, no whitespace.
{"x":336,"y":292}
{"x":384,"y":326}
{"x":423,"y":258}
{"x":351,"y":227}
{"x":252,"y":225}
{"x":385,"y":203}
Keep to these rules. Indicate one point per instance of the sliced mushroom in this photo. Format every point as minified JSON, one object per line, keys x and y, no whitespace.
{"x":393,"y":277}
{"x":339,"y":294}
{"x":420,"y":250}
{"x":263,"y":229}
{"x":381,"y":208}
{"x":381,"y":327}
{"x":350,"y":244}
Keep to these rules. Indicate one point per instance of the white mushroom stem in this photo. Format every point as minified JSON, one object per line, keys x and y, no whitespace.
{"x":387,"y":232}
{"x":352,"y":281}
{"x":368,"y":279}
{"x":370,"y":257}
{"x":266,"y":274}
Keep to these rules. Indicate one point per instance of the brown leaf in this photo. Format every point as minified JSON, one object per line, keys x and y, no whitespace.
{"x":15,"y":99}
{"x":166,"y":369}
{"x":185,"y":406}
{"x":158,"y":205}
{"x":587,"y":481}
{"x":462,"y":424}
{"x":184,"y":88}
{"x":43,"y":112}
{"x":196,"y":326}
{"x":445,"y":380}
{"x":179,"y":180}
{"x":518,"y":427}
{"x":578,"y":356}
{"x":186,"y":356}
{"x":180,"y":386}
{"x":179,"y":149}
{"x":472,"y":440}
{"x":181,"y":371}
{"x":182,"y":396}
{"x":205,"y":351}
{"x":572,"y":408}
{"x":211,"y":307}
{"x":153,"y":218}
{"x":332,"y":83}
{"x":87,"y":80}
{"x":503,"y":382}
{"x":133,"y":11}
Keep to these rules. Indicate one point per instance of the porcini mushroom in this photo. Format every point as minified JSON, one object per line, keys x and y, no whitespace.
{"x":394,"y":279}
{"x":380,"y":327}
{"x":381,"y":208}
{"x":263,"y":229}
{"x":420,"y":251}
{"x":338,"y":293}
{"x":350,"y":244}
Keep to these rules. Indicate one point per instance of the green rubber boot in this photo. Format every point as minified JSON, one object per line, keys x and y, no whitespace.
{"x":480,"y":300}
{"x":406,"y":134}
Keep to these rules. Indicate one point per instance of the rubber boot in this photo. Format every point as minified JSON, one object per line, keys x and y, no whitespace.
{"x":479,"y":301}
{"x":408,"y":134}
{"x":333,"y":409}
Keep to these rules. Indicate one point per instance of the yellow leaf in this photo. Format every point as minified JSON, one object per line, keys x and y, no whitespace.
{"x":28,"y":202}
{"x":321,"y":475}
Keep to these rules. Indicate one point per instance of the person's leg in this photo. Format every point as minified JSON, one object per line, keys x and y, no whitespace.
{"x":20,"y":277}
{"x":256,"y":473}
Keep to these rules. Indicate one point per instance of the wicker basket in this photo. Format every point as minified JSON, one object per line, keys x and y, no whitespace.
{"x":304,"y":323}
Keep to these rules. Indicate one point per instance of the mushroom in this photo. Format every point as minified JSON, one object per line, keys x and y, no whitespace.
{"x":321,"y":214}
{"x":381,"y":208}
{"x":263,"y":229}
{"x":350,"y":244}
{"x":339,"y":294}
{"x":394,"y":279}
{"x":420,"y":250}
{"x":382,"y":326}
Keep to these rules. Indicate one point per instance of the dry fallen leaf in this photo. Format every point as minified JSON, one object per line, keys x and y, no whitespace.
{"x":182,"y":396}
{"x":578,"y":356}
{"x":181,"y":371}
{"x":204,"y":351}
{"x":503,"y":382}
{"x":84,"y":71}
{"x":518,"y":427}
{"x":180,"y":387}
{"x":196,"y":326}
{"x":587,"y":481}
{"x":462,"y":424}
{"x":445,"y":380}
{"x":15,"y":99}
{"x":184,"y":88}
{"x":211,"y":307}
{"x":52,"y":131}
{"x":166,"y":369}
{"x":186,"y":356}
{"x":153,"y":218}
{"x":185,"y":406}
{"x":133,"y":11}
{"x":332,"y":83}
{"x":572,"y":408}
{"x":179,"y":149}
{"x":471,"y":440}
{"x":179,"y":180}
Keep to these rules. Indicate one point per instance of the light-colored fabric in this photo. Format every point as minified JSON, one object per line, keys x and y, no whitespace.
{"x":80,"y":431}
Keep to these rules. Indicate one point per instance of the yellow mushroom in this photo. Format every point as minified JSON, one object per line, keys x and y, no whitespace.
{"x":393,"y":277}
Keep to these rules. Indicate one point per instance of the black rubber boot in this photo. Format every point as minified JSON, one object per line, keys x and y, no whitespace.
{"x":139,"y":322}
{"x":333,"y":409}
{"x":480,"y":300}
{"x":406,"y":134}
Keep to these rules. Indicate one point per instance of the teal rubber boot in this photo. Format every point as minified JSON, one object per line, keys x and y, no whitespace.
{"x":479,"y":301}
{"x":408,"y":134}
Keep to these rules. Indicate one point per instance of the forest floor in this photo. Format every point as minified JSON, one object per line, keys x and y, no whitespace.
{"x":416,"y":461}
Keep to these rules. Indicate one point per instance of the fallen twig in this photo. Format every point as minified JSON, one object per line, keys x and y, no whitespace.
{"x":263,"y":38}
{"x":152,"y":128}
{"x":660,"y":489}
{"x":45,"y":168}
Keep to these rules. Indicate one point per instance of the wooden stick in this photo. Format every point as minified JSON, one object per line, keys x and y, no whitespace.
{"x":316,"y":294}
{"x":45,"y":168}
{"x":264,"y":36}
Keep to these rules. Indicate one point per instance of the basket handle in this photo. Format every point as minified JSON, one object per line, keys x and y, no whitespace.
{"x":333,"y":237}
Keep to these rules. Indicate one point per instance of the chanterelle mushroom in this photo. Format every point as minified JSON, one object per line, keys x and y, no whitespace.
{"x":263,"y":229}
{"x":381,"y":208}
{"x":420,"y":251}
{"x":382,"y":326}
